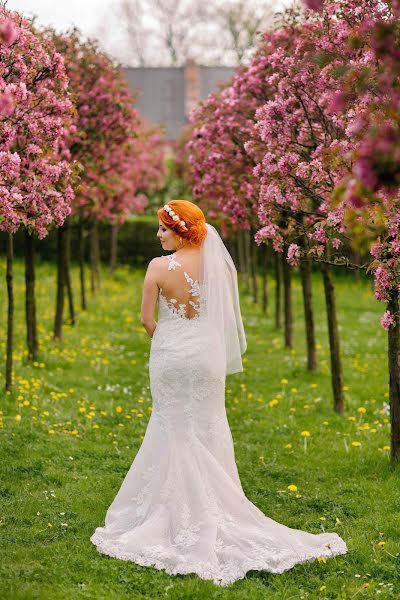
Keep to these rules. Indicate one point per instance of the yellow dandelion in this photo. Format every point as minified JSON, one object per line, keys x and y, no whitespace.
{"x":119,"y":409}
{"x":356,"y":444}
{"x":322,"y":588}
{"x":284,"y":381}
{"x":18,"y":418}
{"x":381,"y":543}
{"x":361,"y":409}
{"x":288,"y":446}
{"x":305,"y":433}
{"x":321,"y":559}
{"x":292,"y":487}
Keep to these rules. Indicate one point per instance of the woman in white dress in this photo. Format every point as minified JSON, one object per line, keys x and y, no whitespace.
{"x":181,"y":506}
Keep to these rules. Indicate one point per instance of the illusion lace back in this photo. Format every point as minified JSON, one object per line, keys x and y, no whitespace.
{"x":181,"y":506}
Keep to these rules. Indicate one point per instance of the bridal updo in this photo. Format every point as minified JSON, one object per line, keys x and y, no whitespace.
{"x":194,"y":231}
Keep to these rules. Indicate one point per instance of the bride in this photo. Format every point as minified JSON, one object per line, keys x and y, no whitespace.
{"x":181,"y":506}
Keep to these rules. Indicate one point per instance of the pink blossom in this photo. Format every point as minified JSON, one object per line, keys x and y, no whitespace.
{"x":313,"y":4}
{"x":6,"y":103}
{"x":293,"y":254}
{"x":387,"y":320}
{"x":395,"y":245}
{"x":8,"y":32}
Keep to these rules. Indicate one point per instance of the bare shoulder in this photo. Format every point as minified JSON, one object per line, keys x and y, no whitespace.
{"x":156,"y":266}
{"x":156,"y":263}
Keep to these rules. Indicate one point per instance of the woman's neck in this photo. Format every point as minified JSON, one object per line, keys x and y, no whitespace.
{"x":187,"y":251}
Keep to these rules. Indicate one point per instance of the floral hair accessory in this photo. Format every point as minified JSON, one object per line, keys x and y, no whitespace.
{"x":175,"y":217}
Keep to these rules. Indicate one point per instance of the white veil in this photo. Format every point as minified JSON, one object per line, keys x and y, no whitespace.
{"x":220,"y":298}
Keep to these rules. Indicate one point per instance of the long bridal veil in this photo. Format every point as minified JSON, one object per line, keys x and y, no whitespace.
{"x":220,"y":296}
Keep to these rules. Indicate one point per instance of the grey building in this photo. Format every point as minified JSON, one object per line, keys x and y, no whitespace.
{"x":166,"y":95}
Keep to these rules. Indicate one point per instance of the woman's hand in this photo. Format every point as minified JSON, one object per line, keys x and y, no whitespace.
{"x":150,"y":327}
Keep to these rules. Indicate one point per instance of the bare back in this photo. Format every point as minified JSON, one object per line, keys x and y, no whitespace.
{"x":179,"y":286}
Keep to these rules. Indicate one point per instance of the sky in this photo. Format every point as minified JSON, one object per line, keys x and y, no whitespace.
{"x":94,"y":18}
{"x":84,"y":14}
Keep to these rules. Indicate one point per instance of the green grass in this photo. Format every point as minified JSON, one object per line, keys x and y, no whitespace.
{"x":63,"y":462}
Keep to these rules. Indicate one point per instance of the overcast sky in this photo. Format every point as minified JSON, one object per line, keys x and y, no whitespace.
{"x":84,"y":14}
{"x":94,"y":18}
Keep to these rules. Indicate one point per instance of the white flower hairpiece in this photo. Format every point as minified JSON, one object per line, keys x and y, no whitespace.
{"x":175,"y":217}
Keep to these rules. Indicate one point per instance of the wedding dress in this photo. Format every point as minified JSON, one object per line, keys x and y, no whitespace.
{"x":181,"y":506}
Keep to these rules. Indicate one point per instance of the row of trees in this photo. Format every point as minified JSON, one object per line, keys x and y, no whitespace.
{"x":301,"y":149}
{"x":72,"y":146}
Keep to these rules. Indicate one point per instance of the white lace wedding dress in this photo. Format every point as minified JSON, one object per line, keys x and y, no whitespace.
{"x":181,"y":506}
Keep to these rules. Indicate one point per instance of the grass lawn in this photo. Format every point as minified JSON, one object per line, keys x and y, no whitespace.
{"x":76,"y":418}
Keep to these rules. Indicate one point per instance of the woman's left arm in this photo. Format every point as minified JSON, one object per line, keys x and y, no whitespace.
{"x":150,"y":296}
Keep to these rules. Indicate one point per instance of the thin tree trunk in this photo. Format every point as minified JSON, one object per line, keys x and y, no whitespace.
{"x":67,"y":271}
{"x":305,"y":273}
{"x":10,"y":311}
{"x":247,"y":257}
{"x":336,"y":365}
{"x":394,"y":375}
{"x":92,"y":260}
{"x":94,"y":257}
{"x":287,"y":299}
{"x":240,"y":246}
{"x":254,"y":267}
{"x":278,"y":304}
{"x":58,"y":319}
{"x":265,"y":262}
{"x":114,"y":247}
{"x":81,"y":235}
{"x":30,"y":306}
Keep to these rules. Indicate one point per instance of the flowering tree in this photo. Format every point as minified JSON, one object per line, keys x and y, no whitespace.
{"x":307,"y":146}
{"x":35,"y":113}
{"x":373,"y":186}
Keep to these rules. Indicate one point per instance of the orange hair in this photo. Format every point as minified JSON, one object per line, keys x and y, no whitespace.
{"x":193,"y":217}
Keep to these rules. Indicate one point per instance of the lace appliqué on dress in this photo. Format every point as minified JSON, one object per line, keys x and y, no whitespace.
{"x":172,"y":263}
{"x":175,"y":308}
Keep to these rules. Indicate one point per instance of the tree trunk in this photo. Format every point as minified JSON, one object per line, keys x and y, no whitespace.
{"x":10,"y":311}
{"x":336,"y":365}
{"x":278,"y":306}
{"x":58,"y":319}
{"x":94,"y":257}
{"x":30,"y":306}
{"x":67,"y":271}
{"x":305,"y":273}
{"x":254,"y":267}
{"x":265,"y":261}
{"x":114,"y":247}
{"x":81,"y":233}
{"x":287,"y":299}
{"x":247,"y":256}
{"x":240,"y":244}
{"x":394,"y":376}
